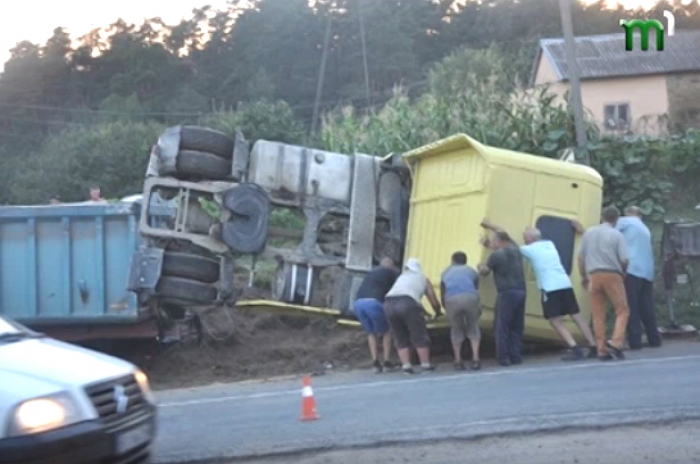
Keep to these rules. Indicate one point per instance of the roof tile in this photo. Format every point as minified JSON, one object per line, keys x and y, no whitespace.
{"x":601,"y":56}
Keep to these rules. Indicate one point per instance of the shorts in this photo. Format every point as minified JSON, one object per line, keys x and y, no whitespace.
{"x":463,"y":311}
{"x":559,"y":303}
{"x":370,"y":313}
{"x":407,"y":322}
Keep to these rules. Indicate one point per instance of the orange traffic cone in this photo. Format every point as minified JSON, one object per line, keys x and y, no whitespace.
{"x":308,"y":403}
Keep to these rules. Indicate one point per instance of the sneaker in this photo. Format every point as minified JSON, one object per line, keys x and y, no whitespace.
{"x":592,"y":352}
{"x":504,"y":363}
{"x":388,"y":365}
{"x":515,"y":361}
{"x":428,"y":368}
{"x":573,"y":354}
{"x":616,"y":352}
{"x":606,"y":357}
{"x":476,"y":365}
{"x":459,"y":366}
{"x":377,"y":367}
{"x":408,"y":369}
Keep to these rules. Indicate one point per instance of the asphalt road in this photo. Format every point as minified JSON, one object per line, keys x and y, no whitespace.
{"x":257,"y":419}
{"x":673,"y":443}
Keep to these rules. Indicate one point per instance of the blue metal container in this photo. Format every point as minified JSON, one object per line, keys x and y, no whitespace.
{"x":68,"y":263}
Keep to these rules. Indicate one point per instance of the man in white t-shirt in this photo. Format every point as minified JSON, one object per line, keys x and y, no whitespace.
{"x":558,"y":297}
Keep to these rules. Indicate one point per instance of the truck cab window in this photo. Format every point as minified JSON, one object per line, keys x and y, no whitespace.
{"x":559,"y":231}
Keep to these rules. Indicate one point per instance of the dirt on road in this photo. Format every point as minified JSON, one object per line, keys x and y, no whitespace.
{"x":243,"y":344}
{"x":248,"y":345}
{"x":663,"y":444}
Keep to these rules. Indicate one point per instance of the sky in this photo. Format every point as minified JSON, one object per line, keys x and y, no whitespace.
{"x":34,"y":20}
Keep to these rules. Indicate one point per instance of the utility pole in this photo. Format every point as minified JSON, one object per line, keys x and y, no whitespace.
{"x":321,"y":76}
{"x":572,"y":66}
{"x":364,"y":52}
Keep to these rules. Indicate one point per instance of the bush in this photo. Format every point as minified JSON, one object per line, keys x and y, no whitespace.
{"x":112,"y":155}
{"x":259,"y":120}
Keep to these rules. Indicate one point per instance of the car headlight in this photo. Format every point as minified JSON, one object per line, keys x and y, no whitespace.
{"x":43,"y":414}
{"x":142,"y":380}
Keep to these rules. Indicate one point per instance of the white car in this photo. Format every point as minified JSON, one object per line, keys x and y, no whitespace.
{"x":62,"y":404}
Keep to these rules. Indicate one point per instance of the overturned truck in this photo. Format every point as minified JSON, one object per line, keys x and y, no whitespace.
{"x":428,"y":203}
{"x":223,"y":190}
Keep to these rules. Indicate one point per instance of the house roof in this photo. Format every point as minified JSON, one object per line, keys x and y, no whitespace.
{"x":604,"y":56}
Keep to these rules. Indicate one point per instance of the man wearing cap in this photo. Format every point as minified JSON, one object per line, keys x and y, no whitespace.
{"x":404,"y":311}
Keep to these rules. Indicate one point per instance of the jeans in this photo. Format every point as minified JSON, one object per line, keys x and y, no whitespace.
{"x":510,"y":324}
{"x":640,"y":298}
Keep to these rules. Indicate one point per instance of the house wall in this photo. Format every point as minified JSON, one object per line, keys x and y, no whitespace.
{"x":646,"y":96}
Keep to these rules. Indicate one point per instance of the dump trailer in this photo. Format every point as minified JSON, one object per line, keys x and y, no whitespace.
{"x":63,"y":268}
{"x":426,"y":203}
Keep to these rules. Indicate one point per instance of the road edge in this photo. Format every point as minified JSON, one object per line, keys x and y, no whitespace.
{"x":550,"y":425}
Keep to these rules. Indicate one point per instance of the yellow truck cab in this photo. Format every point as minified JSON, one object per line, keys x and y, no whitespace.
{"x":457,"y":181}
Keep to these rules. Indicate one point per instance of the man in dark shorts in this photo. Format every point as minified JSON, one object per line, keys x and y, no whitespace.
{"x":404,"y":310}
{"x":369,"y":310}
{"x":558,"y":297}
{"x":507,"y":266}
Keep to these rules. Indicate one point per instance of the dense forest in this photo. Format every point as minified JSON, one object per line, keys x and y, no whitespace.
{"x":81,"y":110}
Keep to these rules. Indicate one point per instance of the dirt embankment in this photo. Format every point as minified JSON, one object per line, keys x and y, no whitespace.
{"x":256,"y":346}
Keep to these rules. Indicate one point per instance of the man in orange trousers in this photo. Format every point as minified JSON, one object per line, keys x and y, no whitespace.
{"x":603,"y":261}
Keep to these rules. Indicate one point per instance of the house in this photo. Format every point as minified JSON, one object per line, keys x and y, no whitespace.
{"x":628,"y":91}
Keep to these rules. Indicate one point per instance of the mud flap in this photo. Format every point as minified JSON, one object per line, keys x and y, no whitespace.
{"x":241,"y":154}
{"x":227,"y":274}
{"x":163,"y":161}
{"x":345,"y":293}
{"x":144,"y":270}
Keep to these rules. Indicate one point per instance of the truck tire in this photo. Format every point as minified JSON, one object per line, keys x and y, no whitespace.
{"x":185,"y":291}
{"x":207,"y":140}
{"x":202,"y":165}
{"x":190,"y":266}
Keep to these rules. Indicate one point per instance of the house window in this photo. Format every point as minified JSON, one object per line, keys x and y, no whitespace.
{"x":561,"y":232}
{"x":617,"y":117}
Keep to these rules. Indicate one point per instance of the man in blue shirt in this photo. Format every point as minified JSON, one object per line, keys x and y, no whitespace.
{"x":639,"y":281}
{"x":557,"y":293}
{"x":459,"y":292}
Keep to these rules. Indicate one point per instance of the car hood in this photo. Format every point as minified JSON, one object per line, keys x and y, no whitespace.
{"x":52,"y":362}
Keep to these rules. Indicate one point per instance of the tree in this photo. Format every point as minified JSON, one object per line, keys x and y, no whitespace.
{"x":259,"y":120}
{"x":113,"y":155}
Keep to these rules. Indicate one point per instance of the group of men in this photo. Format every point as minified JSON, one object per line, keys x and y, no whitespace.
{"x":616,"y":264}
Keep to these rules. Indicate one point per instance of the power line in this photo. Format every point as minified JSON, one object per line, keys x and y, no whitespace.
{"x":91,"y":112}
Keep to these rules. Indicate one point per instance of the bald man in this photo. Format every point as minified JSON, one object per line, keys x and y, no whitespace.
{"x":639,"y":280}
{"x":558,"y":298}
{"x":368,"y":308}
